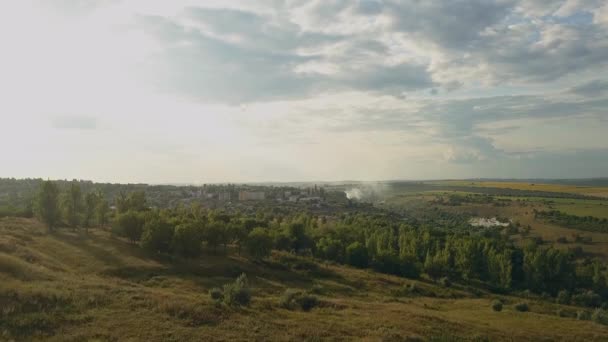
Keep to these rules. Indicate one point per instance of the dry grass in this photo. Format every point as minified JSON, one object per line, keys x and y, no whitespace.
{"x":72,"y":287}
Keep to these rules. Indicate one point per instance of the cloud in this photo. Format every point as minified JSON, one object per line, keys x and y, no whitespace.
{"x":74,"y":122}
{"x":591,"y":88}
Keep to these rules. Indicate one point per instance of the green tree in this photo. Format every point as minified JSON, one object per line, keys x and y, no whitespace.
{"x":90,"y":204}
{"x":259,"y":243}
{"x":72,"y":205}
{"x":238,"y":234}
{"x":47,"y":206}
{"x":157,"y":234}
{"x":356,"y":255}
{"x":187,"y":239}
{"x":130,"y":225}
{"x":214,"y":235}
{"x":102,"y":210}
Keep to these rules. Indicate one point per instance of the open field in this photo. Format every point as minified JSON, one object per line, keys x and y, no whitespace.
{"x":74,"y":287}
{"x":574,"y":189}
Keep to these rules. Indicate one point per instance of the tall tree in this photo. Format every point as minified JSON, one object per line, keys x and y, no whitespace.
{"x":72,"y":205}
{"x":90,"y":204}
{"x":47,"y":206}
{"x":102,"y":210}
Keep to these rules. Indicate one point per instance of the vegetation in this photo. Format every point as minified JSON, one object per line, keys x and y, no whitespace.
{"x":588,"y":223}
{"x":311,"y":251}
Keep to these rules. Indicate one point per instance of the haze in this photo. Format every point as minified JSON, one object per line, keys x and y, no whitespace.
{"x":239,"y":91}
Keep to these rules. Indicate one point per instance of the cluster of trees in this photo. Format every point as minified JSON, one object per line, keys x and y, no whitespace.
{"x":588,"y":223}
{"x":69,"y":207}
{"x":377,"y":240}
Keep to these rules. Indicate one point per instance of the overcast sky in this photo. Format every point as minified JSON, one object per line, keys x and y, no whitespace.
{"x":235,"y":91}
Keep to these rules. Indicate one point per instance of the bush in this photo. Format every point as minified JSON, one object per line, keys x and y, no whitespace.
{"x":599,"y":316}
{"x":445,"y":282}
{"x":588,"y":298}
{"x":288,"y":298}
{"x":563,"y":297}
{"x":522,"y":307}
{"x":216,"y":294}
{"x":292,"y":298}
{"x":497,"y":305}
{"x":237,"y":293}
{"x":583,"y":315}
{"x":307,"y":302}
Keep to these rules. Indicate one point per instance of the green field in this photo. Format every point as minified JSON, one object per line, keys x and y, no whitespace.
{"x":563,"y":188}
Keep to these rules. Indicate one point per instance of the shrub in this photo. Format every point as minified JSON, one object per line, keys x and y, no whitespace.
{"x":237,"y":293}
{"x":445,"y":282}
{"x":583,"y":315}
{"x":588,"y":298}
{"x":216,"y":294}
{"x":563,"y":297}
{"x":497,"y":305}
{"x":288,"y":298}
{"x":307,"y":302}
{"x":292,"y":298}
{"x":600,"y":316}
{"x":522,"y":307}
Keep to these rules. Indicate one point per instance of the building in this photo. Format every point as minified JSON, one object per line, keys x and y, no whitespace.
{"x":224,"y":196}
{"x":251,"y":195}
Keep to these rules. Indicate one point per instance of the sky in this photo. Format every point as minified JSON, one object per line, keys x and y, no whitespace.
{"x":211,"y":91}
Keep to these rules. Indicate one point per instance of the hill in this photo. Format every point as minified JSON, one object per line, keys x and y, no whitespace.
{"x":73,"y":286}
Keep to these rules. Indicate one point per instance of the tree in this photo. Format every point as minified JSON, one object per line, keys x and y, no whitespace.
{"x":187,"y":239}
{"x":72,"y":205}
{"x":356,"y":255}
{"x":102,"y":210}
{"x":214,"y":235}
{"x":157,"y":234}
{"x":130,"y":225}
{"x":238,"y":233}
{"x":137,"y":201}
{"x":90,"y":204}
{"x":297,"y":234}
{"x":331,"y":249}
{"x":47,"y":207}
{"x":259,"y":243}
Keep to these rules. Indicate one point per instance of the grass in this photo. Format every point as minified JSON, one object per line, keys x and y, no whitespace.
{"x":75,"y":287}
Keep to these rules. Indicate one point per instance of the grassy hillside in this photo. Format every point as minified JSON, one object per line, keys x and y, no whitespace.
{"x":73,"y":287}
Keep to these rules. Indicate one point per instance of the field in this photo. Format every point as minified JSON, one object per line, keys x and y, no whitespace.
{"x":564,"y":188}
{"x":71,"y":286}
